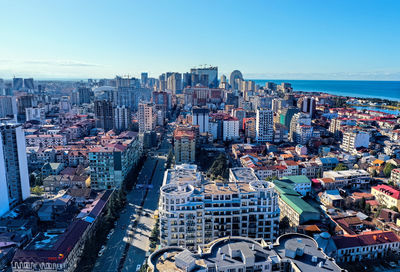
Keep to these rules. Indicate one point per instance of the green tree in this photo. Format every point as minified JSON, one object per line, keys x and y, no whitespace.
{"x":271,"y":178}
{"x":37,"y":190}
{"x":388,"y":169}
{"x":219,"y":168}
{"x":362,"y":204}
{"x":341,"y":167}
{"x":284,"y":225}
{"x":367,"y":209}
{"x":170,"y":158}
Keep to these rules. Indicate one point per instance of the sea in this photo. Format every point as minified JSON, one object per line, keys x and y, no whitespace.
{"x":355,"y":88}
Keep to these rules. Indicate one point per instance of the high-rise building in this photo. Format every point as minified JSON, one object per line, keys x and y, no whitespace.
{"x":111,"y":163}
{"x":184,"y":145}
{"x":286,"y":115}
{"x":200,"y":117}
{"x":264,"y":125}
{"x":235,"y":75}
{"x":162,"y":82}
{"x":36,"y":113}
{"x":249,"y":126}
{"x":8,"y":107}
{"x":122,"y":118}
{"x":285,"y":87}
{"x":143,"y":79}
{"x":17,"y":83}
{"x":270,"y":86}
{"x":301,"y":130}
{"x":28,"y":83}
{"x":147,"y":116}
{"x":215,"y":211}
{"x":14,"y":178}
{"x":230,"y":128}
{"x":187,"y":80}
{"x":354,"y":139}
{"x":307,"y":104}
{"x":162,"y":100}
{"x":84,"y":95}
{"x":103,"y":111}
{"x":65,"y":104}
{"x":207,"y":77}
{"x":174,"y":82}
{"x":23,"y":102}
{"x":126,"y":81}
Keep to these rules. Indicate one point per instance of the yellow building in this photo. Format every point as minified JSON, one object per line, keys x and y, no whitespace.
{"x":386,"y":195}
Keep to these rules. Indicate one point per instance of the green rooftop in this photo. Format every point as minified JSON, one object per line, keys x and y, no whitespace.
{"x":285,"y":189}
{"x":298,"y":179}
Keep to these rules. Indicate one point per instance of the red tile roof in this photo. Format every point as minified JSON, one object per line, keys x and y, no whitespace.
{"x":387,"y":190}
{"x":365,"y":239}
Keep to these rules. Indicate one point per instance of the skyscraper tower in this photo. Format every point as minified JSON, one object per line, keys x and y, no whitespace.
{"x":103,"y":111}
{"x":14,"y":178}
{"x":264,"y":125}
{"x":233,"y":79}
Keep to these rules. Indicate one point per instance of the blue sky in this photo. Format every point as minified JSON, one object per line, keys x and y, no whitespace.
{"x":264,"y":39}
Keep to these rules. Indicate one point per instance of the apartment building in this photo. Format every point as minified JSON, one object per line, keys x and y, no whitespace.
{"x":36,"y":114}
{"x":264,"y":125}
{"x":354,"y":139}
{"x":292,"y":205}
{"x":46,"y":140}
{"x":353,"y":178}
{"x":230,"y":128}
{"x":239,"y":254}
{"x":147,"y":116}
{"x":365,"y":246}
{"x":194,"y":212}
{"x":395,"y":176}
{"x":184,"y":145}
{"x":111,"y":163}
{"x":14,"y":178}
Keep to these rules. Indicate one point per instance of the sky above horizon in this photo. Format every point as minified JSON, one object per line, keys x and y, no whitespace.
{"x":288,"y":39}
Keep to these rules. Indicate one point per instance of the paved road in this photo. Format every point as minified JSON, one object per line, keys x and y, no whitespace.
{"x":140,"y":244}
{"x":136,"y":234}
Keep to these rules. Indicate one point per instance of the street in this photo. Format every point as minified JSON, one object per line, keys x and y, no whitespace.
{"x":127,"y":246}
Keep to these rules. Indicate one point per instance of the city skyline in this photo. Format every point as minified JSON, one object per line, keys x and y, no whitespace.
{"x":265,"y":40}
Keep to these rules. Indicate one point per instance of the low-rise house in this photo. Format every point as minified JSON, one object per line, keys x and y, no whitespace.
{"x":386,"y":195}
{"x":61,"y":251}
{"x":331,"y":198}
{"x":52,"y":169}
{"x":327,"y":163}
{"x":367,"y":245}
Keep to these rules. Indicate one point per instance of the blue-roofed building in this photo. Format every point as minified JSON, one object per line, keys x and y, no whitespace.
{"x":327,"y":163}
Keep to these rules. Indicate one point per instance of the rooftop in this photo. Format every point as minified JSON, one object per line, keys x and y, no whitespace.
{"x":387,"y":190}
{"x":242,"y":174}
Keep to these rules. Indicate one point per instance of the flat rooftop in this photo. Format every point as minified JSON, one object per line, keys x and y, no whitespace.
{"x":312,"y":260}
{"x":242,"y":174}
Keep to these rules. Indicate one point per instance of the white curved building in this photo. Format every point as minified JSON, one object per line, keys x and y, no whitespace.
{"x":233,"y":80}
{"x":195,"y":213}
